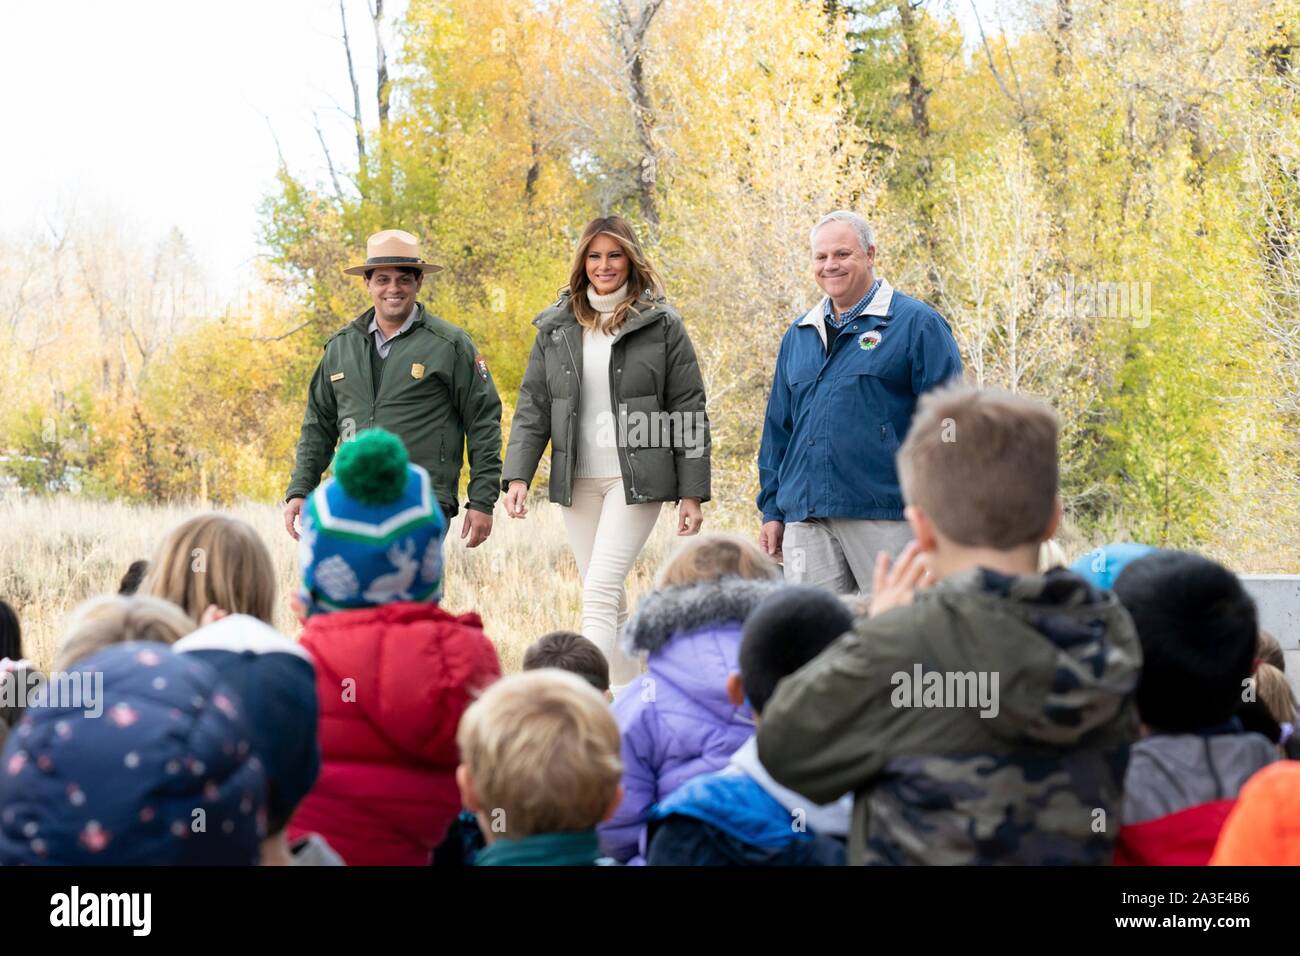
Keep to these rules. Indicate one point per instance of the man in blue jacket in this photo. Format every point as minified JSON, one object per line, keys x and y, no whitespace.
{"x":848,"y":376}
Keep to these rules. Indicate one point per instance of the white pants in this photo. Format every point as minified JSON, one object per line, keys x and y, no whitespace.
{"x":606,"y":534}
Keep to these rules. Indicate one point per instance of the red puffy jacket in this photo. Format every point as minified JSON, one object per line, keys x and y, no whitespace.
{"x":393,"y":682}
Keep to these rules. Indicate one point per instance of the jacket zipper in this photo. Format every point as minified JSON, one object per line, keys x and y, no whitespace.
{"x":577,"y":382}
{"x":379,"y":382}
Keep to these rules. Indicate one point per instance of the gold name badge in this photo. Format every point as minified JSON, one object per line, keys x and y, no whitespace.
{"x":337,"y":376}
{"x":417,"y":370}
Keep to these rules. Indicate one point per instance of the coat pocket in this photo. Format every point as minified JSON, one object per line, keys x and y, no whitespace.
{"x":649,"y":435}
{"x":889,"y":438}
{"x":562,"y":415}
{"x":642,"y":423}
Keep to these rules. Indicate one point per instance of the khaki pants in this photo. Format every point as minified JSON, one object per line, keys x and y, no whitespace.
{"x":839,"y":554}
{"x":606,"y":535}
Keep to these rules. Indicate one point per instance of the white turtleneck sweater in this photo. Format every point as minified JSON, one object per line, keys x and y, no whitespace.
{"x":597,"y":424}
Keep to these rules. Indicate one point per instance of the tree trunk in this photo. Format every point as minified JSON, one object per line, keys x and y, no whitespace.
{"x":535,"y":164}
{"x":383,"y":88}
{"x":1058,"y":178}
{"x":632,"y":38}
{"x":382,"y":84}
{"x":357,"y":126}
{"x":918,"y":100}
{"x":917,"y":95}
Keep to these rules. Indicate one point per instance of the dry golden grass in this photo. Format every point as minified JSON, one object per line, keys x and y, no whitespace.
{"x":57,"y":552}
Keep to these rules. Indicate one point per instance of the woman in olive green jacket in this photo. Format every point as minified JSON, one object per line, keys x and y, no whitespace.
{"x":614,"y":386}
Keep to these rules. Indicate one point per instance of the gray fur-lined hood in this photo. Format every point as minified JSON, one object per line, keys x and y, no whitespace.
{"x":677,"y":610}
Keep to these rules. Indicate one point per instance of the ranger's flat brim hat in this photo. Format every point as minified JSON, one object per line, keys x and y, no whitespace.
{"x":392,"y":249}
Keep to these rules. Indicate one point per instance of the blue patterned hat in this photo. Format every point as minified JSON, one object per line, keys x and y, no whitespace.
{"x":150,"y":763}
{"x":372,"y":534}
{"x":1101,"y":566}
{"x":276,"y":680}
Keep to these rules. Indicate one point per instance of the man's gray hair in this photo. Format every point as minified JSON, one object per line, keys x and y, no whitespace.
{"x":866,"y":238}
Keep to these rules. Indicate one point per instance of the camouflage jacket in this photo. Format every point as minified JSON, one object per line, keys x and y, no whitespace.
{"x":893,"y":712}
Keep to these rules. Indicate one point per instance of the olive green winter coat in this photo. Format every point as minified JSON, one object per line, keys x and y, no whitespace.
{"x":657,"y":393}
{"x":434,"y":391}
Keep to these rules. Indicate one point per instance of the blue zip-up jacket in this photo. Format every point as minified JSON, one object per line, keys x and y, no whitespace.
{"x":835,"y":422}
{"x":735,"y":818}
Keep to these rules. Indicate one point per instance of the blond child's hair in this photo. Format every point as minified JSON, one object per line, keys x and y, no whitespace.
{"x":543,"y":752}
{"x":213,"y":559}
{"x":982,"y":464}
{"x":104,"y":621}
{"x":1269,"y":650}
{"x":1274,"y":691}
{"x":707,"y":558}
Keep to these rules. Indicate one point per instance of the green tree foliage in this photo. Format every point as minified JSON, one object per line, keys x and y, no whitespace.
{"x":1097,"y":178}
{"x":47,"y":444}
{"x":1103,"y":199}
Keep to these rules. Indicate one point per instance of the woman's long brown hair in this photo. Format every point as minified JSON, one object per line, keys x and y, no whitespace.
{"x":641,"y":275}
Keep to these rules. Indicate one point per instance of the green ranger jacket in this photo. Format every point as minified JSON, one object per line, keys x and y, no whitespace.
{"x":434,"y":391}
{"x":663,"y":434}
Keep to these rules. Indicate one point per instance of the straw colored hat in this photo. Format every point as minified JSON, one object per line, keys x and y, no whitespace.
{"x":394,"y":248}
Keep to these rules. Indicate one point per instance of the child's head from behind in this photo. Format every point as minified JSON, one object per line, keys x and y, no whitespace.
{"x":372,"y":534}
{"x":213,"y":559}
{"x":15,"y":678}
{"x":104,"y":621}
{"x":570,"y":652}
{"x":1269,"y":650}
{"x":13,"y":669}
{"x":1198,"y":631}
{"x":540,"y":753}
{"x":275,"y":678}
{"x":783,"y":633}
{"x":127,"y":781}
{"x":1271,"y":685}
{"x":979,"y":470}
{"x":1274,"y":690}
{"x":707,"y":558}
{"x":130,"y":582}
{"x":11,"y":634}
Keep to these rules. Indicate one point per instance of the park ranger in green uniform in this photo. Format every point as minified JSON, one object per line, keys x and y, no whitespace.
{"x":400,"y":368}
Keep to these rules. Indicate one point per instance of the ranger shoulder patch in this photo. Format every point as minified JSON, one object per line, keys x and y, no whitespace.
{"x":480,"y":366}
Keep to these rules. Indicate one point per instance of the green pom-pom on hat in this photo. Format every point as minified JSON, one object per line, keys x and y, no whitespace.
{"x":372,"y":467}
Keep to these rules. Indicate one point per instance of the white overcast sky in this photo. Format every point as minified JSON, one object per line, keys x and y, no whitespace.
{"x":160,"y":113}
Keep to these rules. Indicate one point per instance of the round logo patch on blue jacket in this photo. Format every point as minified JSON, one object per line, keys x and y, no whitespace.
{"x":869,"y":340}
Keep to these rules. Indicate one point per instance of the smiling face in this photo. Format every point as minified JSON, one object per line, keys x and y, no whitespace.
{"x":607,"y":265}
{"x":393,"y":293}
{"x":843,"y":269}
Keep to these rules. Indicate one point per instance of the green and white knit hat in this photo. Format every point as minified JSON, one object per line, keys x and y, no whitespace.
{"x":372,"y":534}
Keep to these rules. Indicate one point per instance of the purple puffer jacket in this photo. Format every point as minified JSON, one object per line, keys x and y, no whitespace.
{"x":675,"y":719}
